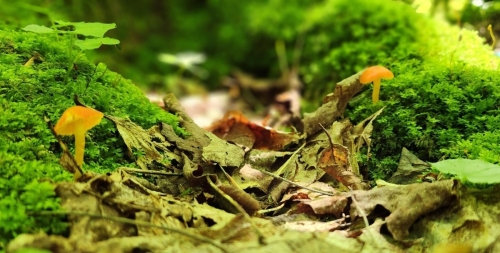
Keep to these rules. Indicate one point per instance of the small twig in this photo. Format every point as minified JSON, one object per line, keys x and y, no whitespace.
{"x":329,"y":138}
{"x":153,"y":172}
{"x":289,"y":159}
{"x":370,"y":233}
{"x":134,"y":222}
{"x":361,"y":211}
{"x":289,"y":181}
{"x":296,"y":184}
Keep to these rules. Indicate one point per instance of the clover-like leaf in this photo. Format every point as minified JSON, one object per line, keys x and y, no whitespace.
{"x":474,"y":171}
{"x":38,"y":29}
{"x":89,"y":44}
{"x":88,"y":29}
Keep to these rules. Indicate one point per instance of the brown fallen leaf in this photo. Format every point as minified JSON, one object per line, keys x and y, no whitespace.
{"x":405,"y":203}
{"x":328,"y":205}
{"x":237,"y":128}
{"x":136,"y":138}
{"x":249,"y":204}
{"x":336,"y":162}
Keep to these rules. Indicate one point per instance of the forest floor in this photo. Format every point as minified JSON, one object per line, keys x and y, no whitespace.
{"x":243,"y":187}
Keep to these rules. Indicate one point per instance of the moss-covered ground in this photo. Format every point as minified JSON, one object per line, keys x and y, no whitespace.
{"x":442,"y":103}
{"x":29,"y":155}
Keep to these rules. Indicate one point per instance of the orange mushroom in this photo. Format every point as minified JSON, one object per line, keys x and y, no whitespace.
{"x":375,"y":74}
{"x":77,"y":120}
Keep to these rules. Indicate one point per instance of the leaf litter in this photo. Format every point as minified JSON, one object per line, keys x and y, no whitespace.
{"x":247,"y":188}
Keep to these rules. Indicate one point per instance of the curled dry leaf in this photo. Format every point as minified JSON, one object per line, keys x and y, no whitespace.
{"x":244,"y":199}
{"x":336,"y":162}
{"x":136,"y":138}
{"x":405,"y":203}
{"x":235,"y":127}
{"x":410,"y":167}
{"x":328,"y":205}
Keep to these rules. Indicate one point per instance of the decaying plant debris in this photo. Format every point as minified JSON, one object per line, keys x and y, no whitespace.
{"x":224,"y":192}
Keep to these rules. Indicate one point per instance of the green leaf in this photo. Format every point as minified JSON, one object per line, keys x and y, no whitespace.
{"x":89,"y":44}
{"x":474,"y":171}
{"x":88,"y":29}
{"x":38,"y":29}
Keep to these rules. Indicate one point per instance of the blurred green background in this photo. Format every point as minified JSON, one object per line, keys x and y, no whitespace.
{"x":231,"y":34}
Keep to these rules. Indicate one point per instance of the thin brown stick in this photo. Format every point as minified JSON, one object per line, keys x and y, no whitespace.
{"x":296,"y":184}
{"x":361,"y":211}
{"x":153,"y":172}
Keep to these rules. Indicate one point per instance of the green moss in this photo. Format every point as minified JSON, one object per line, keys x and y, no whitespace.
{"x":443,"y":99}
{"x":342,"y":37}
{"x":439,"y":106}
{"x":29,"y":92}
{"x":25,"y":187}
{"x":28,"y":150}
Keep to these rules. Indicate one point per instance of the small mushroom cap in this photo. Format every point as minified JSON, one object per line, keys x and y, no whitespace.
{"x":374,"y":73}
{"x":77,"y":116}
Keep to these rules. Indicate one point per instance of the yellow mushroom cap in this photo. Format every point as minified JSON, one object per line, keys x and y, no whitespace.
{"x":77,"y":116}
{"x":375,"y":73}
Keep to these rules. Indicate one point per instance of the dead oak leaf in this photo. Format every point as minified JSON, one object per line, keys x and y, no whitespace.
{"x":235,"y":127}
{"x":405,"y":203}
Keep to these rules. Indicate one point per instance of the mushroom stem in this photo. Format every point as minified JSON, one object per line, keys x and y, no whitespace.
{"x":79,"y":145}
{"x":376,"y":90}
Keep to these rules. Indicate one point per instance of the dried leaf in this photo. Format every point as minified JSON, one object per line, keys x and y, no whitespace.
{"x":238,"y":229}
{"x":335,"y":162}
{"x":228,"y":203}
{"x":409,"y":168}
{"x":237,"y":128}
{"x":363,"y":131}
{"x":302,"y":193}
{"x":223,"y":153}
{"x":406,"y":203}
{"x":244,"y":199}
{"x":314,"y":226}
{"x":328,"y":205}
{"x":136,"y":138}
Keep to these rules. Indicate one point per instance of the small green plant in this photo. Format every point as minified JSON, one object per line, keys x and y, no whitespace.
{"x":474,"y":171}
{"x":86,"y":36}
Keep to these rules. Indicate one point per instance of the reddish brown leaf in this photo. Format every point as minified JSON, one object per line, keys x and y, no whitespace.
{"x":235,"y":127}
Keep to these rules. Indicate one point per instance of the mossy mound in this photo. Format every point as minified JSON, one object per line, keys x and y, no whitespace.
{"x":445,"y":105}
{"x":343,"y":37}
{"x":28,"y":149}
{"x":443,"y":101}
